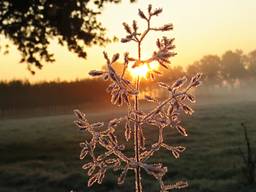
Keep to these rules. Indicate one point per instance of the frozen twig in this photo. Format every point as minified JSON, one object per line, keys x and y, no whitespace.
{"x":164,"y":114}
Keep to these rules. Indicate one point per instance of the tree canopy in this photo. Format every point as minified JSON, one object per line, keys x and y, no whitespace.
{"x":31,"y":24}
{"x":233,"y":65}
{"x":230,"y":67}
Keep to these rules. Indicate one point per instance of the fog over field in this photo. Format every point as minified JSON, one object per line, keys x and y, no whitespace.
{"x":40,"y":144}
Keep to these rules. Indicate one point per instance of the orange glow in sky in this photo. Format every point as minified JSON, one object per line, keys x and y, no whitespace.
{"x":201,"y":27}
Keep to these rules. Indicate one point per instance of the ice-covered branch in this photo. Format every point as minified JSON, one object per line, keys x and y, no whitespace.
{"x":165,"y":114}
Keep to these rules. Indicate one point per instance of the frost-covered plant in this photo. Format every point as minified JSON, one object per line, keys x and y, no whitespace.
{"x":164,"y":115}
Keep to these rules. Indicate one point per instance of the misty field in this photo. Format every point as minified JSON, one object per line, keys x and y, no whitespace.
{"x":42,"y":153}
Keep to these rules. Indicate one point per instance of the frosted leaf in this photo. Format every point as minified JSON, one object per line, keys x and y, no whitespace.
{"x":122,"y":177}
{"x":180,"y":149}
{"x":81,"y":124}
{"x":92,"y":180}
{"x":166,"y":27}
{"x":115,"y":97}
{"x":157,"y":170}
{"x":83,"y":144}
{"x":114,"y":122}
{"x":181,"y":184}
{"x":178,"y":83}
{"x":160,"y":139}
{"x":196,"y":80}
{"x":156,"y":12}
{"x":125,"y":98}
{"x":125,"y":40}
{"x":160,"y":62}
{"x":110,"y":87}
{"x":97,"y":125}
{"x":149,"y":98}
{"x":139,"y":113}
{"x":152,"y":76}
{"x":175,"y":118}
{"x":115,"y":58}
{"x":164,"y":85}
{"x":87,"y":165}
{"x":191,"y":98}
{"x":103,"y":156}
{"x":105,"y":77}
{"x":145,"y":154}
{"x":133,"y":92}
{"x":83,"y":153}
{"x":197,"y":77}
{"x":120,"y":101}
{"x":175,"y":151}
{"x":104,"y":141}
{"x":127,"y":28}
{"x":157,"y":72}
{"x":112,"y":138}
{"x":110,"y":161}
{"x":95,"y":73}
{"x":121,"y":147}
{"x":134,"y":26}
{"x":127,"y":82}
{"x":79,"y":115}
{"x":183,"y":98}
{"x":196,"y":84}
{"x":117,"y":165}
{"x":128,"y":131}
{"x":91,"y":170}
{"x":181,"y":130}
{"x":142,"y":15}
{"x":170,"y":110}
{"x":176,"y":106}
{"x":178,"y":185}
{"x":149,"y":8}
{"x":175,"y":154}
{"x":188,"y":110}
{"x":101,"y":175}
{"x":106,"y":57}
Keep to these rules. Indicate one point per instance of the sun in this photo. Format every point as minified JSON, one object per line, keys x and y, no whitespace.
{"x":142,"y":70}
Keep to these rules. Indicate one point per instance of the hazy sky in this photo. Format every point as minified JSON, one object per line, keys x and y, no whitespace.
{"x":200,"y":27}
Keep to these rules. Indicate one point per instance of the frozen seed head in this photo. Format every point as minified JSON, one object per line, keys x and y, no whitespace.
{"x":165,"y":114}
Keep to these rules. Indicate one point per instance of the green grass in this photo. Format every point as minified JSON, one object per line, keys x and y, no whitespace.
{"x":41,"y":153}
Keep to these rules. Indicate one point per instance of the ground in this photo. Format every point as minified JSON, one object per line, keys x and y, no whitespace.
{"x":42,"y":153}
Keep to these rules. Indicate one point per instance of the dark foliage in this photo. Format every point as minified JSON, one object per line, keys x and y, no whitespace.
{"x":23,"y":95}
{"x":31,"y":24}
{"x":230,"y":67}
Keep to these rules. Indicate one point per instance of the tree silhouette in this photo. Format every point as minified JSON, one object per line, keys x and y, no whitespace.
{"x":193,"y":68}
{"x":173,"y":73}
{"x":210,"y":67}
{"x":31,"y":24}
{"x":232,"y":66}
{"x":252,"y":63}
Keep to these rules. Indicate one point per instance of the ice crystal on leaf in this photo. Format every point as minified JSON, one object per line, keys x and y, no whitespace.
{"x":165,"y":114}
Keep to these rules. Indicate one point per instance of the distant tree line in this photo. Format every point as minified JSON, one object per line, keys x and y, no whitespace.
{"x":22,"y":95}
{"x":231,"y":67}
{"x":228,"y":69}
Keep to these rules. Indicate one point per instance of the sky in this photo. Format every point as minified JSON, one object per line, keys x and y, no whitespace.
{"x":201,"y":27}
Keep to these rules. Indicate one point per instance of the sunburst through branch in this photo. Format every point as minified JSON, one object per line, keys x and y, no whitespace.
{"x":166,"y":114}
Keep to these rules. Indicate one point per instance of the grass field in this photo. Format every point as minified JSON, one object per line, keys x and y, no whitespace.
{"x":40,"y":154}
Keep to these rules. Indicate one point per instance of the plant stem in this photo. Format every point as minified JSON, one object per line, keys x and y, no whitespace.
{"x":138,"y":185}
